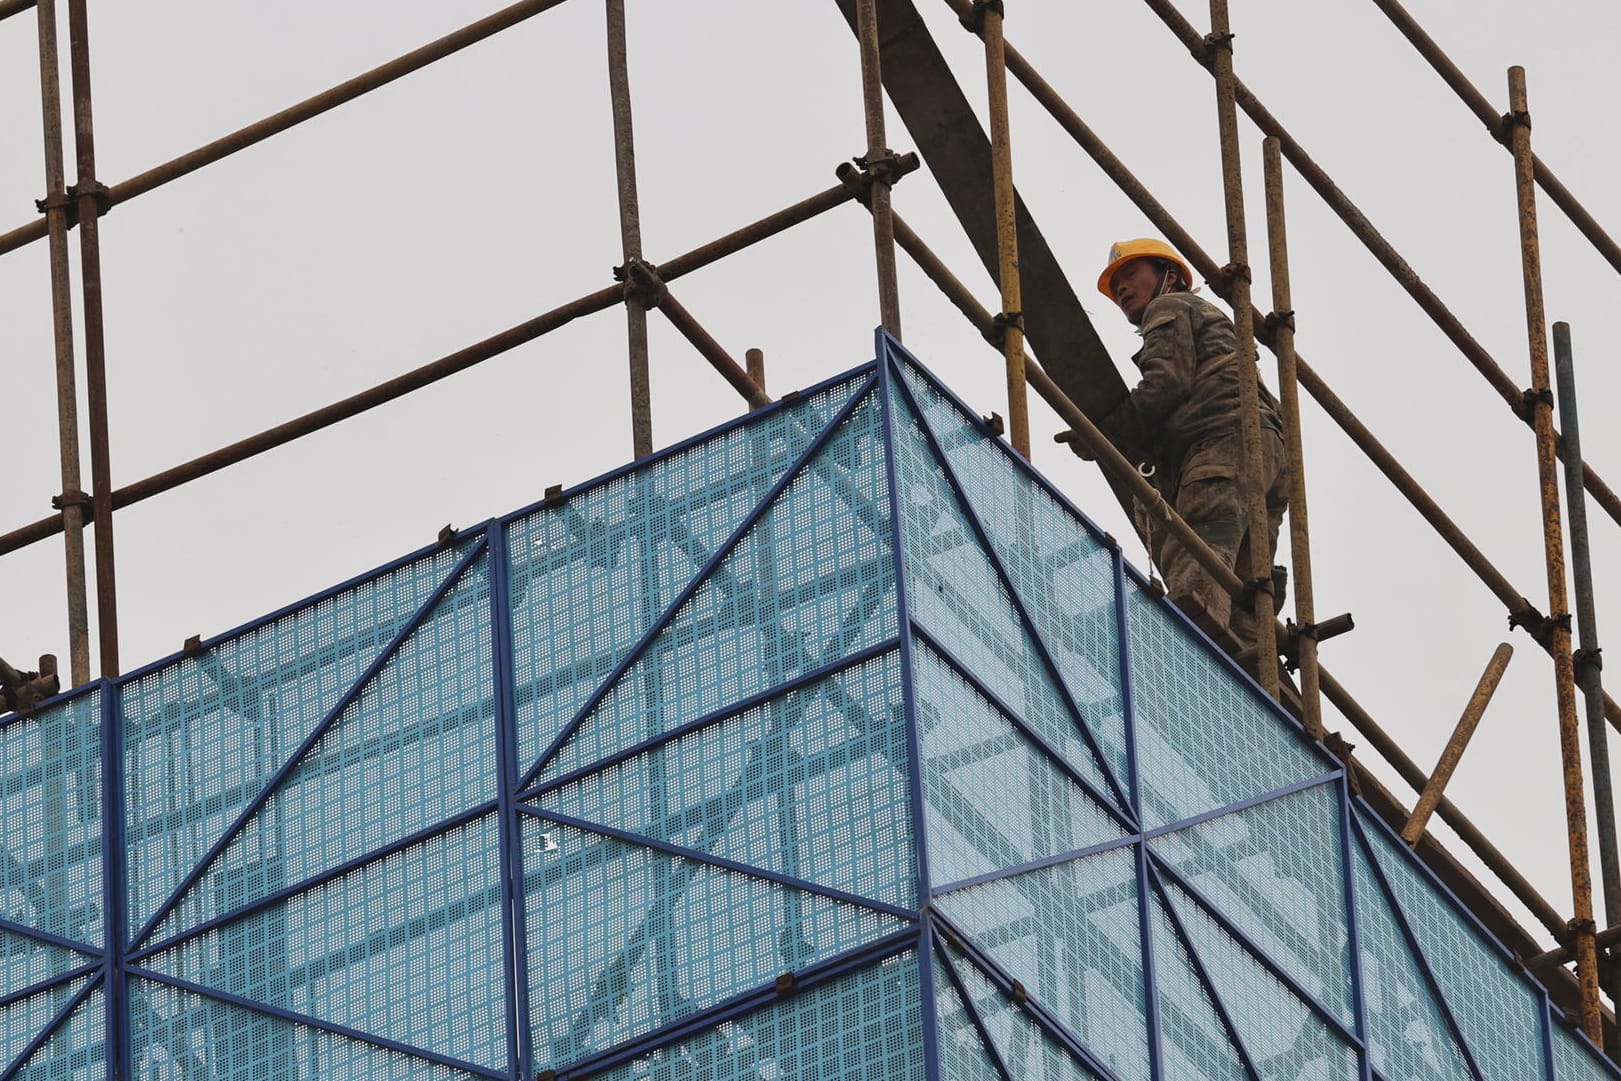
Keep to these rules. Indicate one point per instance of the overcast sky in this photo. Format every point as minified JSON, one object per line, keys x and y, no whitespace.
{"x":475,"y":194}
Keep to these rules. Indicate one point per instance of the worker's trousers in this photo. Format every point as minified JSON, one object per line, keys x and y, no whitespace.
{"x":1211,"y":495}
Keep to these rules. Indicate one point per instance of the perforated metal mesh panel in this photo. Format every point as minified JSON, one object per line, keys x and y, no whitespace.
{"x":1029,"y":1051}
{"x":1055,"y":559}
{"x":1204,"y":739}
{"x":996,"y":799}
{"x":616,"y":555}
{"x":178,"y":1035}
{"x":576,"y":791}
{"x":856,"y":1028}
{"x":811,"y":785}
{"x":1498,"y":1013}
{"x":1274,"y":870}
{"x":1070,"y":933}
{"x":1283,"y":1036}
{"x":957,"y":597}
{"x":203,"y":734}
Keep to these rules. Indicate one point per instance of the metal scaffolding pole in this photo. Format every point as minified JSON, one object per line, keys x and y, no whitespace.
{"x":1011,"y":320}
{"x":445,"y":366}
{"x":57,"y":209}
{"x":1282,"y":321}
{"x":1259,"y":570}
{"x":1477,"y":103}
{"x":878,"y":162}
{"x":630,"y":228}
{"x":1377,"y":245}
{"x":1540,"y":400}
{"x":1585,"y":660}
{"x":8,"y":8}
{"x":1452,"y":753}
{"x":323,"y":102}
{"x":89,"y":195}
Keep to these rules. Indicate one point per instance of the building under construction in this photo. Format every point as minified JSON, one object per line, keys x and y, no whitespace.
{"x":834,"y":741}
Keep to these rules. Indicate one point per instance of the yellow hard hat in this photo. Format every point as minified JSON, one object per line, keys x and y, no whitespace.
{"x":1125,"y":251}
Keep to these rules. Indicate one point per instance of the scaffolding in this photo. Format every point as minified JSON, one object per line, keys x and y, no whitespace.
{"x":1036,"y":307}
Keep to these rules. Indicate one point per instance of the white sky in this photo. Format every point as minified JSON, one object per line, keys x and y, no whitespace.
{"x":477,"y":193}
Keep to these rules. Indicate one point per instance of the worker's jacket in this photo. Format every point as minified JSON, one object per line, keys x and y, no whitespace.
{"x":1189,"y":389}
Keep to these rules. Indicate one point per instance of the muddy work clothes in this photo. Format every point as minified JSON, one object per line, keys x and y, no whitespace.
{"x":1183,"y":420}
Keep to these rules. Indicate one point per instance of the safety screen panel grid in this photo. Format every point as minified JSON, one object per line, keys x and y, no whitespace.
{"x":833,"y":743}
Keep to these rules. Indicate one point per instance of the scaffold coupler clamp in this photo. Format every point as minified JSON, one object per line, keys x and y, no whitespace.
{"x":1526,"y":410}
{"x":886,"y":167}
{"x":1276,"y":321}
{"x":96,"y":190}
{"x":1205,"y":51}
{"x":1504,"y":131}
{"x":974,"y":21}
{"x":642,"y":283}
{"x":996,"y":333}
{"x":1537,"y":625}
{"x":21,"y":691}
{"x":73,"y":497}
{"x":1588,"y":662}
{"x":1227,"y":275}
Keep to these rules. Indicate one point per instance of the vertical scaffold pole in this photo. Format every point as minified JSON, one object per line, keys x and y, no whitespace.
{"x":1259,"y":571}
{"x":1011,"y":320}
{"x":91,"y":198}
{"x":1540,"y":400}
{"x":877,"y":161}
{"x":1283,"y":344}
{"x":1585,"y":661}
{"x":630,"y":229}
{"x":56,"y":205}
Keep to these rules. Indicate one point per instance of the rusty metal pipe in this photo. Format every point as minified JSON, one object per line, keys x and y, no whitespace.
{"x":1493,"y":120}
{"x":1520,"y":609}
{"x":1007,"y":232}
{"x":963,"y":299}
{"x":1377,"y":245}
{"x":8,"y":8}
{"x":257,"y":132}
{"x":754,"y":360}
{"x":1282,"y":322}
{"x":1259,"y":570}
{"x":1453,"y":751}
{"x":67,"y":395}
{"x":1541,"y":400}
{"x":712,"y":351}
{"x":95,"y":340}
{"x":430,"y":373}
{"x":630,"y":228}
{"x":883,"y":227}
{"x":1605,"y":939}
{"x":1586,"y":660}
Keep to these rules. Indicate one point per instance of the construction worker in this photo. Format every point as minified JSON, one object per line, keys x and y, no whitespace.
{"x":1182,"y":422}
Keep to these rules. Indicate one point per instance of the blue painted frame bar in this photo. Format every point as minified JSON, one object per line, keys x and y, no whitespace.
{"x":1031,"y":1006}
{"x":31,"y":1048}
{"x":1128,"y":694}
{"x":1419,"y":956}
{"x":697,"y":581}
{"x":687,"y":728}
{"x":1255,"y":950}
{"x":1151,"y":1005}
{"x":805,"y":979}
{"x":1353,"y":926}
{"x":712,"y":860}
{"x":514,"y":953}
{"x":115,"y":884}
{"x":22,"y":930}
{"x":971,"y":516}
{"x":1547,"y":1038}
{"x":96,"y":967}
{"x":292,"y":1017}
{"x":1105,"y":803}
{"x":1203,"y":975}
{"x":331,"y":718}
{"x":967,"y":1000}
{"x":886,"y":374}
{"x":1036,"y":865}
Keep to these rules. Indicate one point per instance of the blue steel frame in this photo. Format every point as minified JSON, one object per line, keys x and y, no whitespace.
{"x":927,"y":934}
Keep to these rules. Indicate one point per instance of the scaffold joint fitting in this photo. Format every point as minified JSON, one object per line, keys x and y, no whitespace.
{"x":1275,"y":321}
{"x":96,"y":190}
{"x":73,"y":497}
{"x":882,"y":166}
{"x":642,"y":283}
{"x":1213,"y":42}
{"x":1588,"y":661}
{"x":55,"y":201}
{"x":996,"y":333}
{"x":974,"y":21}
{"x":1530,"y":399}
{"x":785,"y":985}
{"x":1519,"y":118}
{"x":993,"y":425}
{"x":447,"y":534}
{"x":1019,"y":995}
{"x":1230,"y":273}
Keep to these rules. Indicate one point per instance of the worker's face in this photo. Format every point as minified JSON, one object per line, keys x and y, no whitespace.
{"x":1134,"y":285}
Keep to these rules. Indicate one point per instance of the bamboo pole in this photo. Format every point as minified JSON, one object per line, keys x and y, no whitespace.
{"x":1541,"y":403}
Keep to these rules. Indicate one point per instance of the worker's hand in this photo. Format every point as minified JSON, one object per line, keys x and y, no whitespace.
{"x":1080,"y":448}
